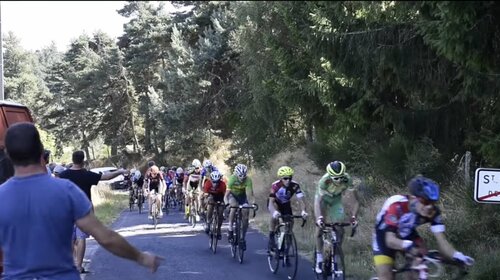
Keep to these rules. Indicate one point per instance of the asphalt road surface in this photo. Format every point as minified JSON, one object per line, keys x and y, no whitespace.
{"x":186,"y":252}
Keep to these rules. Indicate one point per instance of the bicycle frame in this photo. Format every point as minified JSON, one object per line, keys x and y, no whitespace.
{"x":238,"y":229}
{"x":286,"y":222}
{"x":431,"y":266}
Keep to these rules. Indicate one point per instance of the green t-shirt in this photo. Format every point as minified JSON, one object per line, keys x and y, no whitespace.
{"x":331,"y":190}
{"x":239,"y":188}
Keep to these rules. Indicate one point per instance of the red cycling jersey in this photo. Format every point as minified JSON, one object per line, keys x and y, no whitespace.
{"x":208,"y":187}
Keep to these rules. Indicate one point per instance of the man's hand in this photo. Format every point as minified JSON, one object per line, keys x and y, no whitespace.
{"x":150,"y":261}
{"x":320,"y":222}
{"x":304,"y":214}
{"x":354,"y":221}
{"x":276,"y":214}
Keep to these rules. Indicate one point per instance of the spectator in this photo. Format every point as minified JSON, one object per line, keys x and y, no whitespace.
{"x":46,"y":159}
{"x":36,"y":240}
{"x":85,"y":180}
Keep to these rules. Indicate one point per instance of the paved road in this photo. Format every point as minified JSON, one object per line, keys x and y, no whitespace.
{"x":186,"y":252}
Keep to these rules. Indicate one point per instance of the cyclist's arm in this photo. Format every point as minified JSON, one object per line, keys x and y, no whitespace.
{"x":107,"y":238}
{"x":445,"y":248}
{"x":226,"y":196}
{"x":319,"y":210}
{"x":393,"y":242}
{"x":271,"y":207}
{"x":249,"y":191}
{"x":302,"y":204}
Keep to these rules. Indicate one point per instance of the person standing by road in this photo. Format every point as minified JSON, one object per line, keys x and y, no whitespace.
{"x":38,"y":212}
{"x":85,"y":180}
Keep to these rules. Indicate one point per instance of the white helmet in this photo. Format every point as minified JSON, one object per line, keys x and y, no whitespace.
{"x":196,"y":163}
{"x":241,"y":170}
{"x":215,"y":176}
{"x":179,"y":170}
{"x":137,"y":174}
{"x":207,"y":163}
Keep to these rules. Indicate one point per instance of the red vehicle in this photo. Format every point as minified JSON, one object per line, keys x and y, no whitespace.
{"x":10,"y":113}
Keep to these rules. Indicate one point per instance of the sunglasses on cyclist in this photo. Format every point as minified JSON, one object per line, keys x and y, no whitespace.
{"x":339,"y":179}
{"x":425,"y":202}
{"x":286,"y":178}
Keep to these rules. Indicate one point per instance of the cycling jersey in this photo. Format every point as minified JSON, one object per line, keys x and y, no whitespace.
{"x":154,"y":182}
{"x":179,"y":178}
{"x":193,"y":180}
{"x":210,"y":188}
{"x":283,"y":194}
{"x":238,"y":188}
{"x":330,"y":191}
{"x":397,"y":217}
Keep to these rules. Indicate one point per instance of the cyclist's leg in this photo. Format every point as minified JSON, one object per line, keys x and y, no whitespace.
{"x":233,"y":203}
{"x":272,"y":226}
{"x":150,"y":205}
{"x":210,"y":211}
{"x":159,"y":204}
{"x":187,"y":203}
{"x":383,"y":256}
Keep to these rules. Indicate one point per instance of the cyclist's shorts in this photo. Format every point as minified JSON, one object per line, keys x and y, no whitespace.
{"x":79,"y":234}
{"x":285,"y":208}
{"x":154,"y":189}
{"x":215,"y":197}
{"x":193,"y":185}
{"x":383,"y":255}
{"x":334,"y":209}
{"x":240,"y":199}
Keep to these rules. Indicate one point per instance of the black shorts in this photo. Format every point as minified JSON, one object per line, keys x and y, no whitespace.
{"x":285,"y":208}
{"x":193,"y":185}
{"x":217,"y":197}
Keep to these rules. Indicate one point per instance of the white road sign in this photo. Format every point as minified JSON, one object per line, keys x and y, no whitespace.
{"x":487,"y":185}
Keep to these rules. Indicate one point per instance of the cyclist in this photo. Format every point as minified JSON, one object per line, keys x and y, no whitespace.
{"x":155,"y":182}
{"x":332,"y":187}
{"x":214,"y":190}
{"x":396,"y":223}
{"x":191,"y":186}
{"x":279,"y":202}
{"x":178,"y":180}
{"x":239,"y":189}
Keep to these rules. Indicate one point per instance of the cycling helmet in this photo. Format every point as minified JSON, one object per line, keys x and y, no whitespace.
{"x":285,"y":171}
{"x":173,"y":168}
{"x":196,"y":163}
{"x":336,"y":168}
{"x":207,"y":163}
{"x":241,"y":170}
{"x":162,"y":169}
{"x":137,"y":174}
{"x":215,"y":176}
{"x":155,"y":169}
{"x":423,"y":187}
{"x":179,"y":170}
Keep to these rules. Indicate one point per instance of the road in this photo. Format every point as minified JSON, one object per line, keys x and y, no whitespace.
{"x":186,"y":252}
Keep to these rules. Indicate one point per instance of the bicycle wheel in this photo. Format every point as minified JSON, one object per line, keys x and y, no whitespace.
{"x":154,"y":213}
{"x":338,"y":273}
{"x":214,"y":233}
{"x":236,"y":235}
{"x":131,"y":203}
{"x":291,"y":258}
{"x":273,"y":257}
{"x":327,"y":265}
{"x":241,"y":251}
{"x":167,"y":201}
{"x":139,"y":203}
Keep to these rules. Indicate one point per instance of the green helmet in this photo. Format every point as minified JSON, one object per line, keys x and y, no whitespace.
{"x":336,"y":169}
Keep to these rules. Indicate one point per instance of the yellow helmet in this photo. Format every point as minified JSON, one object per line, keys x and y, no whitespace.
{"x":336,"y":168}
{"x":285,"y":171}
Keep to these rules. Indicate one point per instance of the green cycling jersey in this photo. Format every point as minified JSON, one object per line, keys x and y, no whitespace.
{"x":329,"y":187}
{"x":239,"y":188}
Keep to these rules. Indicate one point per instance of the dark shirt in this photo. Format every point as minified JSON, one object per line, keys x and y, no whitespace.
{"x":82,"y":178}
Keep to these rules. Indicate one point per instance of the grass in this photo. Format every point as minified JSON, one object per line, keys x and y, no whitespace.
{"x":472,"y":228}
{"x":108,"y":204}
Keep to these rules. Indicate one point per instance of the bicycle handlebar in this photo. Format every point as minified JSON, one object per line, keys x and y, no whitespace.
{"x":294,"y":217}
{"x":333,"y":225}
{"x":254,"y":207}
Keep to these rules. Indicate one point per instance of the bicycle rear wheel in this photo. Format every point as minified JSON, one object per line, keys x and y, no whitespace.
{"x":273,"y":257}
{"x":327,"y":265}
{"x":290,"y":259}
